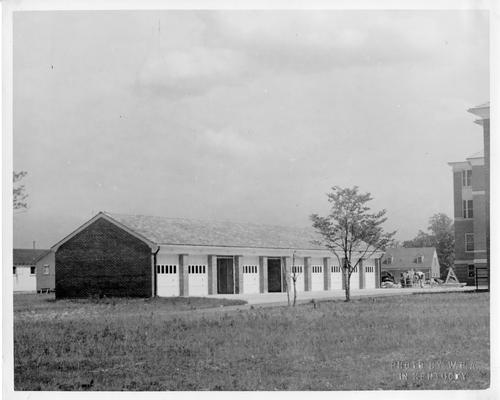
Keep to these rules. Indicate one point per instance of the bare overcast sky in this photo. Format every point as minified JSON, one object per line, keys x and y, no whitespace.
{"x":246,"y":116}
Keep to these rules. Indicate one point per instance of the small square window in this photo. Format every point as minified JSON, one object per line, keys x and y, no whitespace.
{"x":32,"y":270}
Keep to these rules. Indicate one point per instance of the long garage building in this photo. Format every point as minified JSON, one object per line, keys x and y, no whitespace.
{"x":145,"y":256}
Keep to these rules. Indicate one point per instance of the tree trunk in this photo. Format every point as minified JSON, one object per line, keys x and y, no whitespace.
{"x":294,"y":290}
{"x":347,"y":286}
{"x":285,"y":283}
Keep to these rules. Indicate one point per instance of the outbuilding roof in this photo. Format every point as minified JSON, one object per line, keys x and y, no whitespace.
{"x":181,"y":231}
{"x":28,"y":256}
{"x":406,"y":257}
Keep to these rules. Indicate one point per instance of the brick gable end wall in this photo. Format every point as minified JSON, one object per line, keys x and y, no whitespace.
{"x":103,"y":260}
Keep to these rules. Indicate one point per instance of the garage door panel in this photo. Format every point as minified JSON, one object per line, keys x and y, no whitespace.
{"x":251,"y":278}
{"x":198,"y":279}
{"x":369,"y":276}
{"x":336,"y":278}
{"x":354,"y":280}
{"x":317,"y":279}
{"x":298,"y":271}
{"x":167,"y":280}
{"x":198,"y":275}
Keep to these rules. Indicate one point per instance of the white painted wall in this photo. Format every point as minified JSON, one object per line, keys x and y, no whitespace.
{"x":251,"y":275}
{"x":167,"y":275}
{"x":24,"y":281}
{"x":198,"y":278}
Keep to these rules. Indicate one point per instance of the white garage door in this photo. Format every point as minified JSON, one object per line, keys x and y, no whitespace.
{"x":336,"y":277}
{"x":317,"y":280}
{"x":298,"y":270}
{"x":198,"y":276}
{"x":167,"y":276}
{"x":251,"y":278}
{"x":369,"y":277}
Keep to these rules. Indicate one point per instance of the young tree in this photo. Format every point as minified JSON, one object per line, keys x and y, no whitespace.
{"x":350,"y":231}
{"x":294,"y":277}
{"x":19,"y":194}
{"x":441,"y":236}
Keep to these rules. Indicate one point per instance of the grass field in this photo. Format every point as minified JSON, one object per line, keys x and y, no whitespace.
{"x":401,"y":342}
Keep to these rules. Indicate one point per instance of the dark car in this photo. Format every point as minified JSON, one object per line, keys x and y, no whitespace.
{"x":387,"y":277}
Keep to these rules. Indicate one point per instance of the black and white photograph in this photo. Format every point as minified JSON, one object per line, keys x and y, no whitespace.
{"x":235,"y":198}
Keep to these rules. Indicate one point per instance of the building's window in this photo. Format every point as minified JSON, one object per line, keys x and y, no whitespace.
{"x":467,"y":209}
{"x":469,"y":242}
{"x":466,"y":177}
{"x":14,"y":270}
{"x":317,"y":269}
{"x":355,"y":269}
{"x":336,"y":268}
{"x":472,"y":272}
{"x":388,"y":260}
{"x":369,"y":268}
{"x":46,"y":270}
{"x":32,"y":270}
{"x":420,"y":260}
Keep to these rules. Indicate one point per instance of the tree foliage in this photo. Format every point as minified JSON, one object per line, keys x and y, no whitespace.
{"x":440,"y":235}
{"x":19,"y":192}
{"x":350,"y":230}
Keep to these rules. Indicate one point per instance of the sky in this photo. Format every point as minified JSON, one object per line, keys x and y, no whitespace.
{"x":250,"y":116}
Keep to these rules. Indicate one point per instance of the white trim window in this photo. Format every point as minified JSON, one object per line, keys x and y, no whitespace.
{"x":420,"y":260}
{"x":46,"y":270}
{"x":467,"y":209}
{"x":469,"y":242}
{"x":466,"y":177}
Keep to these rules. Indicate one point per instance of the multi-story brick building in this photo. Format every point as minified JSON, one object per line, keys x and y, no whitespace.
{"x":471,"y":205}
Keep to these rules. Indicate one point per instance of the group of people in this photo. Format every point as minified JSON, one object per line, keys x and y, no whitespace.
{"x":412,"y":278}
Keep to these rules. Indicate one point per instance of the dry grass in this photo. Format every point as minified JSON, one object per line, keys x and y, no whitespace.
{"x":140,"y":345}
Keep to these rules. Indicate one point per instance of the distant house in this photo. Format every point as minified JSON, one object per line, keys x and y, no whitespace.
{"x":397,"y":260}
{"x":33,"y":270}
{"x":46,"y":272}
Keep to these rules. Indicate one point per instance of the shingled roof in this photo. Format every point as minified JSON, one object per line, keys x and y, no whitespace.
{"x":27,"y":256}
{"x":181,"y":231}
{"x":406,"y":257}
